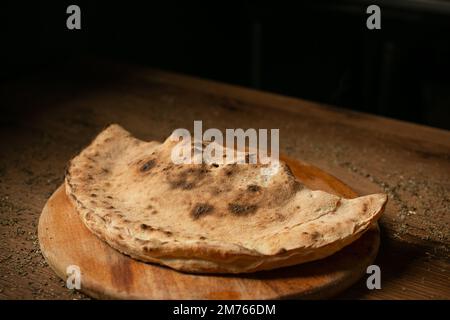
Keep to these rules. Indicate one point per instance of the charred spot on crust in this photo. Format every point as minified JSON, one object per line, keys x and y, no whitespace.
{"x":148,"y":165}
{"x":365,"y":207}
{"x":315,"y":235}
{"x":202,"y":238}
{"x":280,"y":217}
{"x":298,"y":186}
{"x":146,"y":227}
{"x":181,"y":184}
{"x":203,"y":170}
{"x":215,"y":165}
{"x":188,"y":178}
{"x":93,"y":195}
{"x":201,"y":209}
{"x":228,"y":171}
{"x":106,"y":219}
{"x":241,"y":209}
{"x":338,"y":204}
{"x":253,"y":188}
{"x":168,"y":233}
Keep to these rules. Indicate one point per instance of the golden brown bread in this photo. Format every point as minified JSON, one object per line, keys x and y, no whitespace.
{"x":225,"y":218}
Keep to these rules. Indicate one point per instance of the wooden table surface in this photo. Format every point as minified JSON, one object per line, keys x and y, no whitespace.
{"x":48,"y":118}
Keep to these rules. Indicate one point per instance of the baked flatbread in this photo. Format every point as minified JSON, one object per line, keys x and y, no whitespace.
{"x":220,"y":218}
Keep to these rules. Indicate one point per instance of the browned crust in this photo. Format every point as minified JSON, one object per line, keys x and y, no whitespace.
{"x":212,"y":256}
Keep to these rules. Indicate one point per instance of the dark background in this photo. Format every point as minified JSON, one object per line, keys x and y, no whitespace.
{"x":316,"y":50}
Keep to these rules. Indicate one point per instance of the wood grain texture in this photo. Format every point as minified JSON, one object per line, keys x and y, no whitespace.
{"x":48,"y":118}
{"x":106,"y":273}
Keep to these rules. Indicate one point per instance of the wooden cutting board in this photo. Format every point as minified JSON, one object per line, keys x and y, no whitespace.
{"x":106,"y":273}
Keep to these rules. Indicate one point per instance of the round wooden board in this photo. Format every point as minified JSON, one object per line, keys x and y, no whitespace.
{"x":106,"y":273}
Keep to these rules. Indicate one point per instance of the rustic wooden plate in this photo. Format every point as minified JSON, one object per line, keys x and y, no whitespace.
{"x":106,"y":273}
